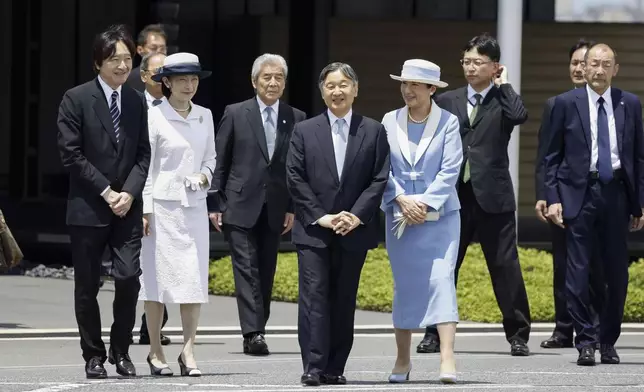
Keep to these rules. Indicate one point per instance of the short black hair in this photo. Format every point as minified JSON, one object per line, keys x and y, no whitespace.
{"x":105,"y":44}
{"x":150,"y":29}
{"x":486,"y":45}
{"x":165,"y":90}
{"x":346,"y":70}
{"x":582,"y":43}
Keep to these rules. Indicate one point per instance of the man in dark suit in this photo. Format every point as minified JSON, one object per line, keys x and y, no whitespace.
{"x":563,"y":332}
{"x":252,"y":140}
{"x":337,"y":170}
{"x":103,"y":142}
{"x":152,"y":39}
{"x":489,"y":109}
{"x":594,"y":176}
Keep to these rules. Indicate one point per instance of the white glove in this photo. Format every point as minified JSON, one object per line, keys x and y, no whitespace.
{"x":194,"y":182}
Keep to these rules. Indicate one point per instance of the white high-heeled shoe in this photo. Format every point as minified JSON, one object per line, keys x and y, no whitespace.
{"x":396,"y":378}
{"x":447,"y":378}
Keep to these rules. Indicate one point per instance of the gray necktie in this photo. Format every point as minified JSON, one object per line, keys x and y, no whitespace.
{"x":269,"y":131}
{"x":340,"y":145}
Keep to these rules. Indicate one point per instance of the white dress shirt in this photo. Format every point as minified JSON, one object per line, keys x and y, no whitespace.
{"x":471,"y":101}
{"x":149,"y":99}
{"x":107,"y":90}
{"x":612,"y":133}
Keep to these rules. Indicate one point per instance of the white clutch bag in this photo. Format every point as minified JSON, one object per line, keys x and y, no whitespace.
{"x":400,"y":222}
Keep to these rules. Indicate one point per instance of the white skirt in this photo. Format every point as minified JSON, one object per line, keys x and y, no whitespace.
{"x":175,"y":256}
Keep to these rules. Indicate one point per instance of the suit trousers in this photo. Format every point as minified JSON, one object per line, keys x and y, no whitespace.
{"x":497,"y":236}
{"x":563,"y":321}
{"x":603,"y":222}
{"x":123,"y":236}
{"x":254,"y":255}
{"x":328,"y":289}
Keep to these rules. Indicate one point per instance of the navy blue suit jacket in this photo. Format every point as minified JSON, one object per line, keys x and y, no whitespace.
{"x":313,"y":182}
{"x":567,"y":162}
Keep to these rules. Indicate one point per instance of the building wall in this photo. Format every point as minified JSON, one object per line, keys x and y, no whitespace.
{"x":376,"y":50}
{"x":5,"y":92}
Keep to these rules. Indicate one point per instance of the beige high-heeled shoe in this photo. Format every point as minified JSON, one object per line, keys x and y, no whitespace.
{"x":447,"y":377}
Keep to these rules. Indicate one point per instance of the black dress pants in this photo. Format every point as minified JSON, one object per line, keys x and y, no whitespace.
{"x":254,"y":255}
{"x":328,"y":288}
{"x":123,"y":237}
{"x":497,"y":236}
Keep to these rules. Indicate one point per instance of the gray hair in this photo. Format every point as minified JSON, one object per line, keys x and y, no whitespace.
{"x":346,"y":70}
{"x":145,"y":62}
{"x":268,"y":58}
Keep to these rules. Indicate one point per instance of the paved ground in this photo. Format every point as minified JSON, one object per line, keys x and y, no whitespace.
{"x":29,"y":303}
{"x":483,"y":363}
{"x":50,"y":361}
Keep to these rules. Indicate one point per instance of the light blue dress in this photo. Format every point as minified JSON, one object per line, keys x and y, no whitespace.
{"x":425,"y":162}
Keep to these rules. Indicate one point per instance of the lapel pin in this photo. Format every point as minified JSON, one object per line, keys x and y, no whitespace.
{"x":200,"y":119}
{"x":283,"y":121}
{"x":621,"y":102}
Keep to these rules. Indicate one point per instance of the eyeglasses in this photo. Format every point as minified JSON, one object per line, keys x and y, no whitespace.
{"x":477,"y":62}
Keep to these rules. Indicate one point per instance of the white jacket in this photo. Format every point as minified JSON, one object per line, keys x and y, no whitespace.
{"x":179,"y":148}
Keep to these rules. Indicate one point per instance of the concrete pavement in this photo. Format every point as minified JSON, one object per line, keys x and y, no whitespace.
{"x":483,"y":362}
{"x":39,"y":307}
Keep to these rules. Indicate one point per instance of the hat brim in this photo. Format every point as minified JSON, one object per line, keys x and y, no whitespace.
{"x":201,"y":74}
{"x":437,"y":83}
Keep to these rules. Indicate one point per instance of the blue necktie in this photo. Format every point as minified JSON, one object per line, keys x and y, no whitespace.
{"x":116,"y":115}
{"x":604,"y":164}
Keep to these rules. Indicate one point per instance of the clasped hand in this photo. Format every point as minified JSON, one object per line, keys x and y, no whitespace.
{"x":414,"y":211}
{"x":197,"y":181}
{"x":341,"y":223}
{"x":120,"y":203}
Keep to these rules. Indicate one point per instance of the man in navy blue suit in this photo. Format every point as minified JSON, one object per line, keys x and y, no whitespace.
{"x":562,"y":336}
{"x":595,"y":190}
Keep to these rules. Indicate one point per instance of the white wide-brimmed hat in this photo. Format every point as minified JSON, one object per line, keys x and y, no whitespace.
{"x":420,"y":71}
{"x":181,"y":64}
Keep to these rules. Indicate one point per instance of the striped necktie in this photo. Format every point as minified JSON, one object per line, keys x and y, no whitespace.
{"x":116,"y":115}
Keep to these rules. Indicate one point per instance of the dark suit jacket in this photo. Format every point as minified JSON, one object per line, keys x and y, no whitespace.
{"x":244,"y":176}
{"x":485,"y":143}
{"x":134,"y":80}
{"x":313,"y":182}
{"x":567,"y":162}
{"x":93,"y":158}
{"x":544,"y":134}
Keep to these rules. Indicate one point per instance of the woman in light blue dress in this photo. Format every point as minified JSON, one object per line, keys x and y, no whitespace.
{"x":426,"y":156}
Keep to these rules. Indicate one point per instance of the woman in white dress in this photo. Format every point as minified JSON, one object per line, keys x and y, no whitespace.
{"x":175,"y":249}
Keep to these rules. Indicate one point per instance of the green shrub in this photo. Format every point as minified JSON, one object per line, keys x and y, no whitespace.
{"x":476,"y":299}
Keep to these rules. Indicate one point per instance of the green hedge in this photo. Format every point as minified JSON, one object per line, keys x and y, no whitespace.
{"x":476,"y":301}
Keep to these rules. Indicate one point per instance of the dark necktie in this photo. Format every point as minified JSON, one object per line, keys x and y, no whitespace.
{"x":156,"y":102}
{"x":604,"y":164}
{"x":116,"y":115}
{"x":475,"y":110}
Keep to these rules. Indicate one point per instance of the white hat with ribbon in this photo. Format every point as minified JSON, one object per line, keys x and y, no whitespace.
{"x":420,"y":71}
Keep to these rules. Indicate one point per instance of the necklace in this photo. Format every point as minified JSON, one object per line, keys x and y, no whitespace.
{"x":415,"y":121}
{"x":182,"y":110}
